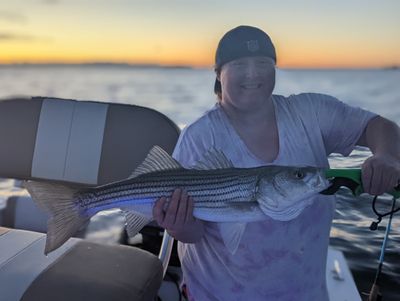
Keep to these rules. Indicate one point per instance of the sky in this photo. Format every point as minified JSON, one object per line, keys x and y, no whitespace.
{"x":306,"y":33}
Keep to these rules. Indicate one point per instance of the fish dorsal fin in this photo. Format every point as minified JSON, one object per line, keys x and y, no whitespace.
{"x":157,"y":160}
{"x":213,"y":159}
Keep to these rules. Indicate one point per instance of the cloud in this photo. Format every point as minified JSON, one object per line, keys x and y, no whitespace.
{"x":13,"y":17}
{"x":6,"y":37}
{"x":50,"y":1}
{"x":15,"y":37}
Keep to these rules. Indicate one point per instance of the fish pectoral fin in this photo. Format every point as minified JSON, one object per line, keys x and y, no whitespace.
{"x":157,"y":160}
{"x":135,"y":222}
{"x":213,"y":159}
{"x":231,"y":234}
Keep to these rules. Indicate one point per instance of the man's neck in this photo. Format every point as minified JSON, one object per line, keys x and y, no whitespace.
{"x":252,"y":117}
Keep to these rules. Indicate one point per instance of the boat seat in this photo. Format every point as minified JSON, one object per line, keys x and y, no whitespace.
{"x":20,"y":212}
{"x":79,"y":270}
{"x":83,"y":144}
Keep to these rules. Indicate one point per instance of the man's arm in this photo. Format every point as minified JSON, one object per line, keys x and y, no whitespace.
{"x":381,"y":172}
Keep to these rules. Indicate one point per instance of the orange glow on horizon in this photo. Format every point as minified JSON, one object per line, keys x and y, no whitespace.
{"x":306,"y":55}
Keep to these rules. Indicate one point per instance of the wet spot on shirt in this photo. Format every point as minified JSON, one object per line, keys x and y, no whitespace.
{"x":242,"y":247}
{"x":316,"y":236}
{"x":271,"y":255}
{"x":237,"y":288}
{"x":228,"y":260}
{"x":250,"y":263}
{"x":248,"y":257}
{"x":267,"y":226}
{"x":304,"y":225}
{"x":297,"y":257}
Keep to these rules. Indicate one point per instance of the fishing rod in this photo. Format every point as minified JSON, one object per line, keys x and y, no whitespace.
{"x":351,"y":178}
{"x":375,"y":294}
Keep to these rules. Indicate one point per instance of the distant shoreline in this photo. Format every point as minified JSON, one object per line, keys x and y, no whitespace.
{"x":187,"y":67}
{"x":119,"y":65}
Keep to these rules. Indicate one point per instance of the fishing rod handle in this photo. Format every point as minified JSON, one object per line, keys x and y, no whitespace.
{"x":354,"y":174}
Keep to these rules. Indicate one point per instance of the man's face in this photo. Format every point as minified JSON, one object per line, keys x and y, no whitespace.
{"x":247,"y":82}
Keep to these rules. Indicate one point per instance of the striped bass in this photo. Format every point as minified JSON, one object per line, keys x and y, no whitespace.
{"x":221,"y":193}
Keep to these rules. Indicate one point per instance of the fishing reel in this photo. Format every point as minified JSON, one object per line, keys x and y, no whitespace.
{"x":374,"y":224}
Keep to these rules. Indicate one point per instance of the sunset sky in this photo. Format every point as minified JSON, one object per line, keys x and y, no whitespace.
{"x":307,"y":33}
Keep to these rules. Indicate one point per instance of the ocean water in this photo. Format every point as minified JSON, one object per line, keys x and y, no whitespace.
{"x":184,"y":94}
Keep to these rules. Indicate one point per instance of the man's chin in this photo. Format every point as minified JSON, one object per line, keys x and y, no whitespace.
{"x":253,"y":103}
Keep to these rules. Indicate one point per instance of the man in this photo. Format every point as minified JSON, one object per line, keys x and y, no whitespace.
{"x":275,"y":260}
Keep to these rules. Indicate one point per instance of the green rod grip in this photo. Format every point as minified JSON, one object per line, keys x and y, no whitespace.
{"x":355,"y":175}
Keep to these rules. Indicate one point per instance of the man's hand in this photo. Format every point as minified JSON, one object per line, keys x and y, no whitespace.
{"x":176,"y":216}
{"x":380,"y":173}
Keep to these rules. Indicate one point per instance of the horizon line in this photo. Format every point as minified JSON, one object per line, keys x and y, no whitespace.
{"x":182,"y":66}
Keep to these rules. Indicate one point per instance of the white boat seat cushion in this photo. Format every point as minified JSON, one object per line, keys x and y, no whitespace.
{"x":22,"y":213}
{"x":22,"y":260}
{"x":79,"y":270}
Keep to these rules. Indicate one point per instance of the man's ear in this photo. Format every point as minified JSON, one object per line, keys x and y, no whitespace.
{"x":218,"y":74}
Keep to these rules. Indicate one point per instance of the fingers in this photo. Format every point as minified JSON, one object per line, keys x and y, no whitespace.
{"x":366,"y":173}
{"x":158,"y":210}
{"x":372,"y":178}
{"x":179,"y":210}
{"x":181,"y":213}
{"x":189,"y":211}
{"x":394,"y":181}
{"x":171,"y":212}
{"x":385,"y":183}
{"x":377,"y":182}
{"x":379,"y":175}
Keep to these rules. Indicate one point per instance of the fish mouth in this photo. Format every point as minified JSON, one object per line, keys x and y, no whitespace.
{"x":321,"y":182}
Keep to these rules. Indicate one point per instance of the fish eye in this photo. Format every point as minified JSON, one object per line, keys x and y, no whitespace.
{"x":298,"y":174}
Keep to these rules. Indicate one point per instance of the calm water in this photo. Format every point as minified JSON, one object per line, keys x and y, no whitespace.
{"x":184,"y":94}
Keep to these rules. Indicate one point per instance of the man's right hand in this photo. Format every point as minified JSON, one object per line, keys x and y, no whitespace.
{"x":176,"y":216}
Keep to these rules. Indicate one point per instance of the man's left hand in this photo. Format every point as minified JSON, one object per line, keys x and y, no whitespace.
{"x":380,"y":173}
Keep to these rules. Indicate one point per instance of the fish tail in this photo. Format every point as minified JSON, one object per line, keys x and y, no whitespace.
{"x":66,"y":217}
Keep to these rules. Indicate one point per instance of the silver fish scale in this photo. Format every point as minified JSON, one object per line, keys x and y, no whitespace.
{"x":144,"y":187}
{"x":211,"y":187}
{"x":144,"y":181}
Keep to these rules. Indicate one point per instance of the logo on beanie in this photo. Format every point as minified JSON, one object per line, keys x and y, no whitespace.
{"x":252,"y":45}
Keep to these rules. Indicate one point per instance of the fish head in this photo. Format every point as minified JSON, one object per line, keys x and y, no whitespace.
{"x":285,"y":187}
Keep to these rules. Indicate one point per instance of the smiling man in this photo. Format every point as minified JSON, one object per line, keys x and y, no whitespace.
{"x":275,"y":260}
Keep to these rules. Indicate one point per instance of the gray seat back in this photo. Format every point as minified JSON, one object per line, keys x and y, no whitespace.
{"x":81,"y":142}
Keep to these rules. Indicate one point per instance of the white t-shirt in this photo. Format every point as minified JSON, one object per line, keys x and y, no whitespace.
{"x":275,"y":260}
